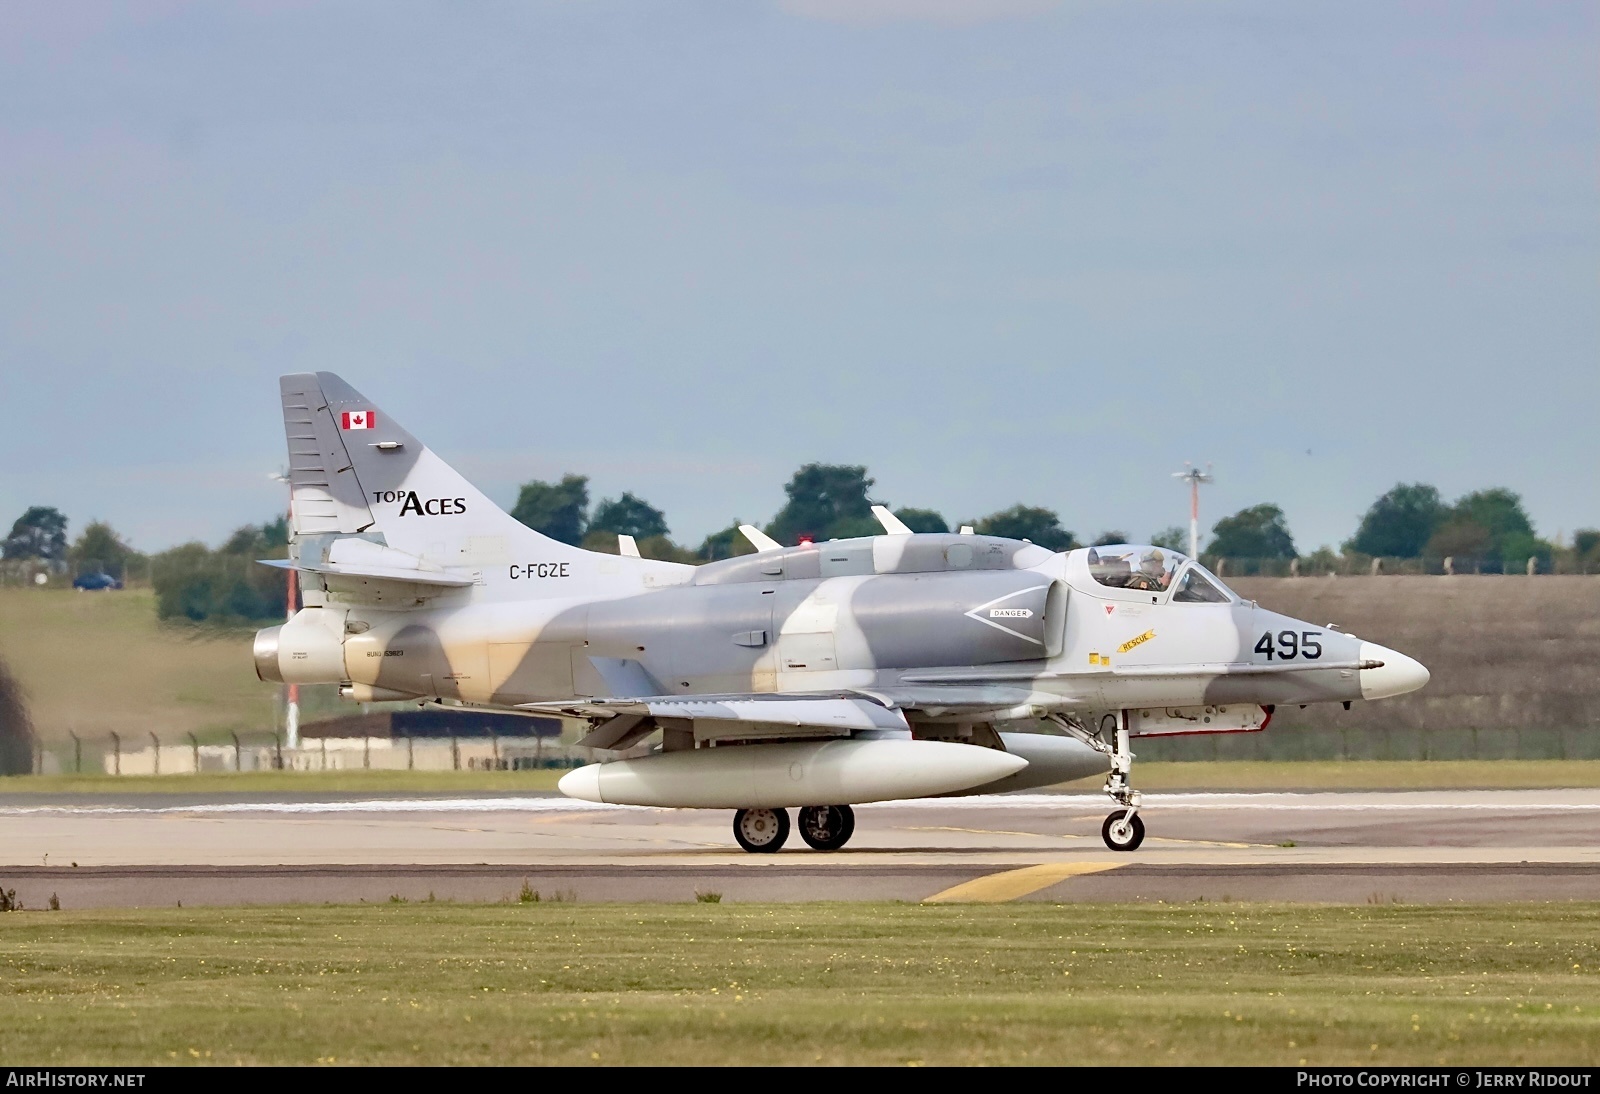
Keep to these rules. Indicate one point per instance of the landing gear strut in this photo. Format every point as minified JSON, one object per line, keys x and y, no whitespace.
{"x":1123,"y":830}
{"x":827,"y":827}
{"x":761,"y":831}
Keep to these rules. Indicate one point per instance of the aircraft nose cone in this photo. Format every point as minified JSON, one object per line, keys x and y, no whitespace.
{"x":582,"y":783}
{"x":1399,"y":674}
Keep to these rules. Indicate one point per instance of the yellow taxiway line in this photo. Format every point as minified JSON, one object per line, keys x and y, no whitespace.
{"x":1014,"y":884}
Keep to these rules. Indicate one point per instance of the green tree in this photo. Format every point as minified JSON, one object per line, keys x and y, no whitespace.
{"x":1173,"y":539}
{"x":826,"y":501}
{"x":1488,"y":524}
{"x":1460,"y":539}
{"x":1041,"y":526}
{"x":922,"y":520}
{"x":1400,"y":523}
{"x":227,"y":585}
{"x":1107,"y":538}
{"x":1258,"y":532}
{"x":98,"y":549}
{"x":727,"y":543}
{"x":559,"y":510}
{"x":16,"y":728}
{"x":1586,"y":548}
{"x":628,"y":516}
{"x":41,"y":532}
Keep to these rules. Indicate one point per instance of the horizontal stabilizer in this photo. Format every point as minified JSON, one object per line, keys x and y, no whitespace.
{"x":360,"y":558}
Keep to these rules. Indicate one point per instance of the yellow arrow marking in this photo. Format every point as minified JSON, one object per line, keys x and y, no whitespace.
{"x":1012,"y":884}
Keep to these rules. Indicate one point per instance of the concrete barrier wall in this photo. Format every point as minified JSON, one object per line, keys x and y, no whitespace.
{"x":1515,"y":663}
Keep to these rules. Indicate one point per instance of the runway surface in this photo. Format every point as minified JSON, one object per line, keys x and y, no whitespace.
{"x":1411,"y":847}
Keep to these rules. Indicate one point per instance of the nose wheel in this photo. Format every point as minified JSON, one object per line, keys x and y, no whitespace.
{"x":827,"y":827}
{"x":761,"y":831}
{"x":1123,"y":831}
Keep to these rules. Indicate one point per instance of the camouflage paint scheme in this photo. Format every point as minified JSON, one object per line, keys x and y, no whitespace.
{"x":416,"y":585}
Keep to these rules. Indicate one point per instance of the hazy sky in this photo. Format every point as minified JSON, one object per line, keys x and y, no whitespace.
{"x":997,"y":251}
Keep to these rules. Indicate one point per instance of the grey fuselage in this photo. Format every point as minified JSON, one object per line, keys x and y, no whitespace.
{"x":906,"y":616}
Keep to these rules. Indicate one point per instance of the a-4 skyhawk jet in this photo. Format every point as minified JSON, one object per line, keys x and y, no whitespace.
{"x":818,"y":676}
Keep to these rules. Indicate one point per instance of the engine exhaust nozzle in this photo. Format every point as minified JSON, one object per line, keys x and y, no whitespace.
{"x":265,"y":650}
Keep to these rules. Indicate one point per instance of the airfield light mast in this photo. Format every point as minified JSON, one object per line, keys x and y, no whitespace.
{"x":1194,"y":477}
{"x":291,"y":703}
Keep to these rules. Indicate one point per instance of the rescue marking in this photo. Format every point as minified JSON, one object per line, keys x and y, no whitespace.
{"x":1137,"y":640}
{"x":1014,"y":884}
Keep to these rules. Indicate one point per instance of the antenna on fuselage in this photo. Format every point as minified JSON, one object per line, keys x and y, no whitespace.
{"x":1194,"y":477}
{"x":892,"y":524}
{"x":759,"y":539}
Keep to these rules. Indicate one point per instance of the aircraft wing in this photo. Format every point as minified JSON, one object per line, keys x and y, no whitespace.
{"x":832,"y":712}
{"x":970,"y":698}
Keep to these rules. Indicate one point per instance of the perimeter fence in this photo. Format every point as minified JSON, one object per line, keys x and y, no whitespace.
{"x":1374,"y":743}
{"x":1330,"y":565}
{"x":125,"y":754}
{"x":120,"y":754}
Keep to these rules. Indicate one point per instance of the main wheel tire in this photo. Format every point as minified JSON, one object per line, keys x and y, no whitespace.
{"x":1122,"y":833}
{"x":761,"y":831}
{"x":827,"y":827}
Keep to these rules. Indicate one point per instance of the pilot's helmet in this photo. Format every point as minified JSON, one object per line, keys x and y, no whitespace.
{"x":1157,"y":557}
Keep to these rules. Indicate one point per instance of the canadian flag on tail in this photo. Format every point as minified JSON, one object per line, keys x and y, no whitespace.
{"x":360,"y":419}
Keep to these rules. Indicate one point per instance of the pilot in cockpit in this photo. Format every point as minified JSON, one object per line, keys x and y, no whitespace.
{"x":1152,"y":575}
{"x":1143,"y":569}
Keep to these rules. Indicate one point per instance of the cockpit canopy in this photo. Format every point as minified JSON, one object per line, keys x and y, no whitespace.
{"x":1143,"y":568}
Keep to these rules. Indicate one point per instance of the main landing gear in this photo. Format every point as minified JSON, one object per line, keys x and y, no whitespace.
{"x":1122,"y":830}
{"x":764,"y":831}
{"x":761,"y":831}
{"x":827,"y":827}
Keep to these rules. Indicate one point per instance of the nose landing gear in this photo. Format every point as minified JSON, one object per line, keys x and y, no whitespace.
{"x":1122,"y":830}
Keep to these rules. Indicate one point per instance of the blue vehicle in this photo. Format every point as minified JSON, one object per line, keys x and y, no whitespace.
{"x":95,"y":582}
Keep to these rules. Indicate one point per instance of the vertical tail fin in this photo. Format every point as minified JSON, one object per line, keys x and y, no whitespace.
{"x":355,"y":472}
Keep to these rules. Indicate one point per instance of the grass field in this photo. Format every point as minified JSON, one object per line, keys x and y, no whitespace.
{"x":95,"y":663}
{"x":1229,"y":775}
{"x":563,"y":982}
